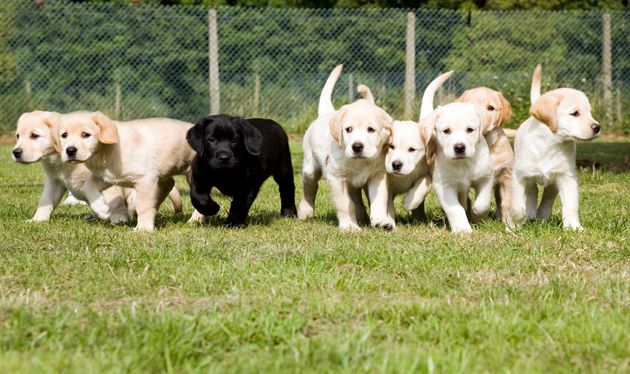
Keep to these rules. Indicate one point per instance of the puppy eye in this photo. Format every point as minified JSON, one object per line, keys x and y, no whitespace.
{"x":17,"y":136}
{"x":235,"y":141}
{"x":490,"y":107}
{"x":212,"y":140}
{"x":85,"y":135}
{"x":34,"y":136}
{"x":348,"y":130}
{"x":447,"y":131}
{"x":412,"y":149}
{"x":469,"y":130}
{"x":575,"y":114}
{"x":391,"y":146}
{"x":371,"y":129}
{"x":64,"y":135}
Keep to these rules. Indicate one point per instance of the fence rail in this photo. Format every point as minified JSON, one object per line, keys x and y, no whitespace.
{"x":134,"y":61}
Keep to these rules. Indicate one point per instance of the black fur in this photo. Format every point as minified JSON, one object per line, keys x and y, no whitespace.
{"x":237,"y":155}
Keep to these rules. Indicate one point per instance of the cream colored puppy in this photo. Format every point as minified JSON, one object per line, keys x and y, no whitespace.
{"x":143,"y":154}
{"x":348,"y":147}
{"x":37,"y":141}
{"x":462,"y":161}
{"x":545,"y":153}
{"x":500,"y":111}
{"x":406,"y":161}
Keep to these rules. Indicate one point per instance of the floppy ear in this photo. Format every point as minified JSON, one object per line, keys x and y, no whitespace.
{"x":336,"y":124}
{"x":108,"y":133}
{"x":194,"y":134}
{"x":387,"y":122}
{"x":52,"y":120}
{"x":252,"y":137}
{"x":485,"y":120}
{"x":545,"y":110}
{"x":506,"y":110}
{"x":427,"y":132}
{"x":464,"y":97}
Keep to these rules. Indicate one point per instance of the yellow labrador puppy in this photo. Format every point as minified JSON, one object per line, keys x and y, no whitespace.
{"x":348,"y":147}
{"x":501,"y":152}
{"x":37,"y":142}
{"x":143,"y":154}
{"x":407,"y":161}
{"x":545,"y":153}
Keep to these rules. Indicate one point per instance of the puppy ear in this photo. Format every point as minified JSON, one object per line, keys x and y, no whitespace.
{"x":427,"y":132}
{"x":108,"y":133}
{"x":252,"y":137}
{"x":485,"y":121}
{"x":545,"y":110}
{"x":52,"y":120}
{"x":464,"y":97}
{"x":336,"y":126}
{"x":194,"y":135}
{"x":506,"y":110}
{"x":388,"y":123}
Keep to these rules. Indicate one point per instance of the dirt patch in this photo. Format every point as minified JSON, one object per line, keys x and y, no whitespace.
{"x":6,"y":139}
{"x":620,"y":166}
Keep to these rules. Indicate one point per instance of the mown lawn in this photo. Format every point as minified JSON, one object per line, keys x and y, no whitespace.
{"x":288,"y":296}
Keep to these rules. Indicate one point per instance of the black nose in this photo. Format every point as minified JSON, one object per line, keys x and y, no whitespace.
{"x":223,"y":157}
{"x":71,"y":151}
{"x":596,"y":128}
{"x":17,"y":153}
{"x":397,"y":165}
{"x":357,"y":147}
{"x":460,"y":148}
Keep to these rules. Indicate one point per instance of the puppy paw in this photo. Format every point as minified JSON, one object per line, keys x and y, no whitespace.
{"x":36,"y":220}
{"x":289,"y":212}
{"x":574,"y":227}
{"x":306,"y":211}
{"x":143,"y":228}
{"x":386,"y":223}
{"x":118,"y":218}
{"x":410,"y":203}
{"x":349,"y":227}
{"x":233,"y":224}
{"x":197,"y":217}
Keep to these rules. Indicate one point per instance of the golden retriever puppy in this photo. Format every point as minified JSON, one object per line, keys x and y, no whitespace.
{"x":545,"y":154}
{"x":501,"y":152}
{"x":37,"y":142}
{"x":462,"y":161}
{"x":406,"y":161}
{"x":348,"y":147}
{"x":142,"y":154}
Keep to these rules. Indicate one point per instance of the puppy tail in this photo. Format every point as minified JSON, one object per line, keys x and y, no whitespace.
{"x":325,"y":99}
{"x":176,"y":199}
{"x":534,"y":94}
{"x":365,"y":93}
{"x":429,"y":93}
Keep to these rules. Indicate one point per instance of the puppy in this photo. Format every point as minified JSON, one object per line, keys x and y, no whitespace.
{"x":545,"y":153}
{"x":406,"y":161}
{"x":348,"y":147}
{"x":237,"y":155}
{"x":37,"y":141}
{"x":501,"y":152}
{"x":462,"y":161}
{"x":142,"y":154}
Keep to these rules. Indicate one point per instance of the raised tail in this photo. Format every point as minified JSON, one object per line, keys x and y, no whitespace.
{"x":429,"y":93}
{"x":365,"y":93}
{"x":325,"y":98}
{"x":534,"y":94}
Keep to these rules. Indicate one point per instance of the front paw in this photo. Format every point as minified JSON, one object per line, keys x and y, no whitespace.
{"x":386,"y":223}
{"x":118,"y":218}
{"x":349,"y":227}
{"x":37,"y":219}
{"x":462,"y":230}
{"x":232,"y":223}
{"x":306,"y":210}
{"x":289,"y":212}
{"x":574,"y":227}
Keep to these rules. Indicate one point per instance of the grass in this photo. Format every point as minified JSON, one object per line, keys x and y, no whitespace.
{"x":288,"y":296}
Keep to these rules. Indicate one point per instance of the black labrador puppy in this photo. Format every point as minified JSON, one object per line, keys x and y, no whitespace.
{"x":236,"y":155}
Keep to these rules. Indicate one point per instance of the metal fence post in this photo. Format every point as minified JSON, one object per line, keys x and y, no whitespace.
{"x":410,"y":65}
{"x":213,"y":61}
{"x":607,"y":69}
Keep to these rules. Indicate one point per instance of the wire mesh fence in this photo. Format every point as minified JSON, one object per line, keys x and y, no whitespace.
{"x":133,"y":61}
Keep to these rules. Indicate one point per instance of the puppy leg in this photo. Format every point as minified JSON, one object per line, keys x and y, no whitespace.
{"x":418,"y":192}
{"x":241,"y":203}
{"x":379,"y":194}
{"x":531,"y":198}
{"x":518,"y":200}
{"x":200,"y":197}
{"x":116,"y":200}
{"x":391,"y":208}
{"x":483,"y":197}
{"x":546,"y":203}
{"x":92,"y":189}
{"x":504,"y":205}
{"x":357,"y":199}
{"x":48,"y":201}
{"x":147,"y":195}
{"x":284,"y":178}
{"x":344,"y":206}
{"x":569,"y":196}
{"x":176,"y":199}
{"x":419,"y":214}
{"x":455,"y":212}
{"x":311,"y":173}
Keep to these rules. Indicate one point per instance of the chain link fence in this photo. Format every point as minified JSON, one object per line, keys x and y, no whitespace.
{"x":133,"y":61}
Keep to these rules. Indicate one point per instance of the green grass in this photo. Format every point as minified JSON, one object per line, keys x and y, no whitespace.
{"x":288,"y":296}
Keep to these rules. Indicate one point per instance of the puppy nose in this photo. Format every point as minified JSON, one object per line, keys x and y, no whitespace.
{"x":17,"y":152}
{"x":71,"y":151}
{"x":596,"y":127}
{"x":397,"y":165}
{"x":223,"y":157}
{"x":357,"y":147}
{"x":459,"y":148}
